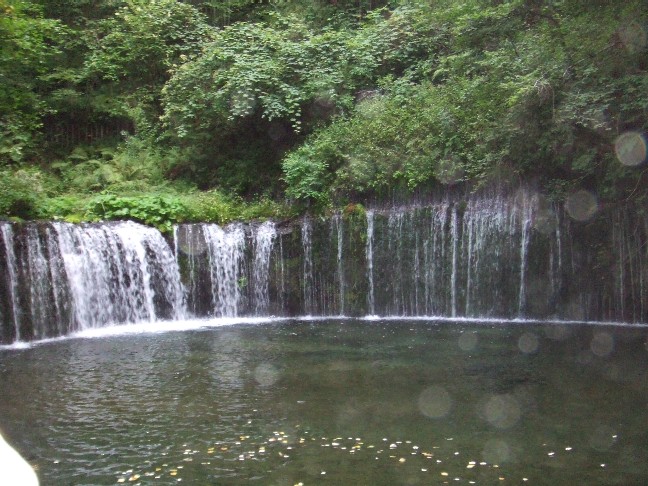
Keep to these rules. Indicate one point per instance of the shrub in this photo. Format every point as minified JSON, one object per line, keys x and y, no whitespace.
{"x":216,"y":207}
{"x":154,"y":210}
{"x":23,"y":191}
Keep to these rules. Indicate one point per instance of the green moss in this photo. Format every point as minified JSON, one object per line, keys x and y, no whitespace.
{"x":355,"y":212}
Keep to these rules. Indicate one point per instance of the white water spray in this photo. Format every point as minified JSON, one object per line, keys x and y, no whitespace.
{"x":339,"y":230}
{"x":225,"y":252}
{"x":370,"y":269}
{"x":307,"y":276}
{"x":263,"y":243}
{"x":12,"y":276}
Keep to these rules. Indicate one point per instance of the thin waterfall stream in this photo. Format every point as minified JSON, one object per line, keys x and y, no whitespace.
{"x":370,"y":267}
{"x":308,"y":278}
{"x":338,"y":224}
{"x":263,"y":243}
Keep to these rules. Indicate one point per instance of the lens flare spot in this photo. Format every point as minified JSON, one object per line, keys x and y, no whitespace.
{"x":496,"y":451}
{"x":633,"y":36}
{"x":266,"y":374}
{"x":631,"y":148}
{"x":449,"y":170}
{"x":468,"y":341}
{"x":435,"y":402}
{"x":602,"y":344}
{"x":528,"y":343}
{"x":190,"y":240}
{"x":502,"y":411}
{"x":602,"y":438}
{"x":581,"y":205}
{"x":545,"y":221}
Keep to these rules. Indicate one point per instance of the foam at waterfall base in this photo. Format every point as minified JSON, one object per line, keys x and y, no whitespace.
{"x":503,"y":321}
{"x":183,"y":325}
{"x":173,"y":326}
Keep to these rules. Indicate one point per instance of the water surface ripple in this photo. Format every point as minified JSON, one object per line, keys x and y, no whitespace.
{"x":337,"y":401}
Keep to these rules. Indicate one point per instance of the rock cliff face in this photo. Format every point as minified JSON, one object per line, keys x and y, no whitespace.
{"x":504,"y":255}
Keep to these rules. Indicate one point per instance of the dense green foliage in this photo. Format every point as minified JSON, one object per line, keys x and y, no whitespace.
{"x":523,"y":90}
{"x":130,"y":108}
{"x":29,"y":45}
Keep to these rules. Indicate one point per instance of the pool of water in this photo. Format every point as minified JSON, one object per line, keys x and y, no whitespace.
{"x":337,"y":401}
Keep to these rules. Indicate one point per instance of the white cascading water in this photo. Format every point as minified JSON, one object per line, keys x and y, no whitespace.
{"x":37,"y":269}
{"x":473,"y":257}
{"x":188,"y":241}
{"x":12,"y":276}
{"x":110,"y":272}
{"x":225,"y":249}
{"x":630,"y":277}
{"x":557,"y":275}
{"x":526,"y":222}
{"x":395,"y":243}
{"x":370,"y":270}
{"x":454,"y":225}
{"x":435,"y":252}
{"x":487,"y":225}
{"x":158,"y":266}
{"x":502,"y":256}
{"x":448,"y":258}
{"x":417,"y":274}
{"x":263,"y":244}
{"x":308,"y":279}
{"x":97,"y":277}
{"x":338,"y":227}
{"x":282,"y":275}
{"x":58,"y":285}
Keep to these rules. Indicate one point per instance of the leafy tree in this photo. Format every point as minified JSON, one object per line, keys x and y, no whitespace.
{"x":531,"y":89}
{"x":288,"y":77}
{"x":330,"y":100}
{"x":79,"y":13}
{"x":29,"y":47}
{"x":144,"y":40}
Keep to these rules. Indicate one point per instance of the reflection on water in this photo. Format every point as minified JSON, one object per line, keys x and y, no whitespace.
{"x":338,"y":402}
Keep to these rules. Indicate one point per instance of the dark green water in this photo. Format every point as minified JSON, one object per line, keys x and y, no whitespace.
{"x":334,"y":402}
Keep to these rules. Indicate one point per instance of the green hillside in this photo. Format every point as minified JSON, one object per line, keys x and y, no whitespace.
{"x":164,"y":111}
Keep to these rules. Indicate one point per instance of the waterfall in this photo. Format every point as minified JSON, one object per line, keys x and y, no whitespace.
{"x":631,"y":268}
{"x":225,"y":252}
{"x":58,"y":280}
{"x":37,"y":268}
{"x":395,"y":223}
{"x":417,"y":276}
{"x":12,"y":277}
{"x":282,"y":276}
{"x":308,"y":278}
{"x":557,"y":276}
{"x":63,"y":278}
{"x":263,"y":242}
{"x":339,"y":231}
{"x":524,"y":249}
{"x":473,"y":254}
{"x":455,"y":258}
{"x":117,"y":272}
{"x":189,"y":245}
{"x":370,"y":269}
{"x":484,"y":255}
{"x":435,"y":280}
